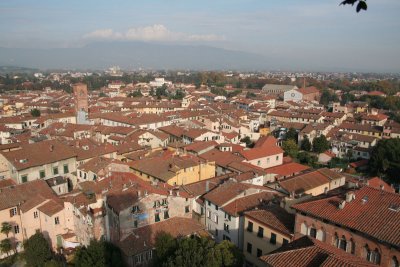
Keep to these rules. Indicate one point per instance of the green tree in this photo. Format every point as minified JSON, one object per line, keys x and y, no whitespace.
{"x":290,"y":148}
{"x":98,"y":254}
{"x":248,"y":141}
{"x":6,"y":228}
{"x":137,"y":93}
{"x":320,"y":144}
{"x":291,"y":134}
{"x":37,"y":250}
{"x":230,"y":254}
{"x":250,"y":95}
{"x":165,"y":245}
{"x":102,"y":94}
{"x":385,"y":159}
{"x":35,"y":112}
{"x":5,"y":246}
{"x":307,"y":158}
{"x":179,"y":94}
{"x":195,"y":251}
{"x":305,"y":144}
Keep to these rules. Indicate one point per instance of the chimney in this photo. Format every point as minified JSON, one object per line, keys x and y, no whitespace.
{"x":350,"y":196}
{"x":207,"y":186}
{"x":342,"y":204}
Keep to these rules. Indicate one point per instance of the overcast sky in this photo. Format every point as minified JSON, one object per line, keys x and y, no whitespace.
{"x":301,"y":33}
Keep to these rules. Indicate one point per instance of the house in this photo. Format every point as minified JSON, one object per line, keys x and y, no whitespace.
{"x":173,"y":170}
{"x":224,"y":207}
{"x":42,"y":160}
{"x":302,"y":94}
{"x":98,"y":168}
{"x":266,"y":229}
{"x":359,"y":222}
{"x":264,"y":157}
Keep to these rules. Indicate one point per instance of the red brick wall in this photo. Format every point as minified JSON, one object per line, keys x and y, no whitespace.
{"x":81,"y":97}
{"x":359,"y":240}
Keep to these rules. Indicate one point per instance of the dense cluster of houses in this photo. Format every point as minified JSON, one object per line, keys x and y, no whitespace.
{"x":124,"y":169}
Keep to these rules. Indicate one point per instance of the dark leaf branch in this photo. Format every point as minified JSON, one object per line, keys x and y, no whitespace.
{"x":361,"y":4}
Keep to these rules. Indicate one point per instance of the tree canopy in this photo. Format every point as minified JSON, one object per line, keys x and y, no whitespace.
{"x":98,"y":254}
{"x":35,"y":112}
{"x":37,"y":251}
{"x":290,"y":148}
{"x":385,"y":159}
{"x":196,"y":252}
{"x":320,"y":144}
{"x":305,"y":144}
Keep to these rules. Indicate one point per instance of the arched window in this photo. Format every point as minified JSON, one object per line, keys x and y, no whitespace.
{"x":313,"y":232}
{"x":372,"y":255}
{"x":343,"y":243}
{"x":321,"y":234}
{"x":351,"y":246}
{"x":394,"y":262}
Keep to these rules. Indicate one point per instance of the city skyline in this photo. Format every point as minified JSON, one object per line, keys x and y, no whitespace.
{"x":291,"y":35}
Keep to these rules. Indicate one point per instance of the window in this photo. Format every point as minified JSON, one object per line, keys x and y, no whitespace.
{"x":13,"y":212}
{"x":313,"y":232}
{"x":66,"y":170}
{"x":216,"y":207}
{"x":24,"y":178}
{"x":373,"y":256}
{"x":135,"y":209}
{"x":209,"y":203}
{"x":215,"y":218}
{"x":258,"y":162}
{"x":267,"y":160}
{"x":35,"y":214}
{"x":208,"y":214}
{"x":285,"y":241}
{"x":394,"y":262}
{"x":225,"y":237}
{"x":166,"y":214}
{"x":277,"y":158}
{"x":260,"y":232}
{"x":216,"y":232}
{"x":187,"y":209}
{"x":273,"y":239}
{"x":56,"y":220}
{"x":55,"y":170}
{"x":135,"y":223}
{"x":42,"y":174}
{"x":249,"y":247}
{"x":259,"y":253}
{"x":226,"y":227}
{"x":157,"y":217}
{"x":16,"y":229}
{"x":250,"y":227}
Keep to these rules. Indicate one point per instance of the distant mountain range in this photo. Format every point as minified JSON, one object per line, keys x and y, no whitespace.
{"x":132,"y":55}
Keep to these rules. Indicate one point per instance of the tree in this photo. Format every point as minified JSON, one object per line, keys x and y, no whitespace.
{"x":102,"y":94}
{"x":250,"y":95}
{"x":230,"y":254}
{"x":305,"y":144}
{"x":320,"y":144}
{"x":137,"y":93}
{"x":37,"y":250}
{"x":291,"y":134}
{"x":6,"y":228}
{"x":195,"y":251}
{"x":385,"y":159}
{"x":361,"y":4}
{"x":98,"y":254}
{"x":290,"y":148}
{"x":165,"y":245}
{"x":307,"y":158}
{"x":248,"y":142}
{"x":179,"y":94}
{"x":5,"y":246}
{"x":35,"y":112}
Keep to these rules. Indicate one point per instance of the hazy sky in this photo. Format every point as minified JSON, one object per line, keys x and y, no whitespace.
{"x":301,"y":33}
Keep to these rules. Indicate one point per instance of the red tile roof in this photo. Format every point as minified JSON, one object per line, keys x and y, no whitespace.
{"x":275,"y":217}
{"x":307,"y":251}
{"x":373,"y":212}
{"x":287,"y":169}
